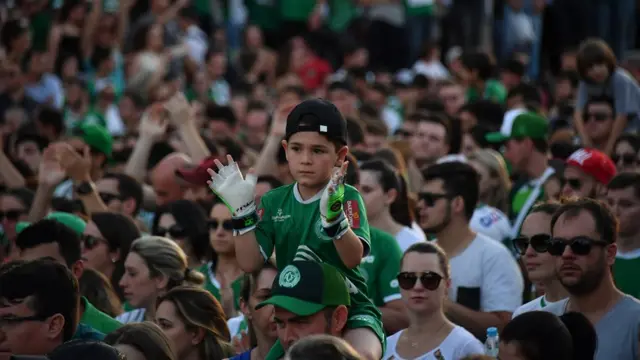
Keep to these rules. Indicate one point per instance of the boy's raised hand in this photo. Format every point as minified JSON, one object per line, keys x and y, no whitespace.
{"x":237,"y":192}
{"x":333,"y":218}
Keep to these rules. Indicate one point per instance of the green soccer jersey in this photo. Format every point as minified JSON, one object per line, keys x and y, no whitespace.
{"x":212,"y":285}
{"x":381,"y":266}
{"x":493,"y":91}
{"x":292,"y":226}
{"x":625,"y":273}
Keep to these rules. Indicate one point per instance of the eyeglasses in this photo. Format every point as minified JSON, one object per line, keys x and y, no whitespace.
{"x":107,"y":198}
{"x":580,"y":245}
{"x":214,"y":224}
{"x":90,"y":241}
{"x":597,"y":116}
{"x":627,"y":159}
{"x":538,"y":242}
{"x":14,"y":320}
{"x":575,"y":184}
{"x":175,"y":231}
{"x":431,"y":198}
{"x":11,"y":215}
{"x":428,"y":279}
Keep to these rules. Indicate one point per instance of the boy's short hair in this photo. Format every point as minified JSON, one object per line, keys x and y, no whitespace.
{"x":49,"y":231}
{"x":48,"y":287}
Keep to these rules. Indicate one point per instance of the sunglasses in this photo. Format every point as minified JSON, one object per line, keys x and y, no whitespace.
{"x":107,"y":198}
{"x":215,"y":224}
{"x":175,"y":231}
{"x":580,"y":245}
{"x":431,"y":198}
{"x":539,"y":243}
{"x":575,"y":184}
{"x":11,"y":215}
{"x":598,"y":117}
{"x":428,"y":279}
{"x":627,"y":159}
{"x":91,"y":241}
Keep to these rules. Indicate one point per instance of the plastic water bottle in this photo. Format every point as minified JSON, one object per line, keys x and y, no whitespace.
{"x":491,"y":344}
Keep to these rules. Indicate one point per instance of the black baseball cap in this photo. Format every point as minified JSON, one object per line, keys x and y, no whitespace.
{"x":317,"y":115}
{"x":306,"y":287}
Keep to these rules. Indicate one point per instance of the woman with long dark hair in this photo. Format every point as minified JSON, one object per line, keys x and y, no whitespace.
{"x":385,"y":196}
{"x":184,"y":222}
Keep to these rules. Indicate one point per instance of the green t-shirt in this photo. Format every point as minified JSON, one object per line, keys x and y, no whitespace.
{"x":296,"y":10}
{"x":263,"y":13}
{"x":625,"y":274}
{"x":212,"y":285}
{"x":293,"y":228}
{"x":418,"y":7}
{"x":341,"y":13}
{"x":98,"y":320}
{"x":493,"y":90}
{"x":381,"y":266}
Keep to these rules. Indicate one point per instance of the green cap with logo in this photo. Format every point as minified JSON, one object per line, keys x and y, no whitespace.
{"x":520,"y":123}
{"x":72,"y":221}
{"x":96,"y":136}
{"x":306,"y":287}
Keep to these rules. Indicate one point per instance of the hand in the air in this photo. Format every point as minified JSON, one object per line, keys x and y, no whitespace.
{"x":333,"y":195}
{"x":236,"y":191}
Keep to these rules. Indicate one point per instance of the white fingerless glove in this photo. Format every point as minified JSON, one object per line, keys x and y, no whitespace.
{"x":238,"y":193}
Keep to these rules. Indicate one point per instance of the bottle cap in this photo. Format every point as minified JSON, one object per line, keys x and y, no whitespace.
{"x":492,"y":331}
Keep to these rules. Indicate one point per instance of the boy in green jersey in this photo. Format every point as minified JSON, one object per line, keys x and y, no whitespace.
{"x":317,"y":218}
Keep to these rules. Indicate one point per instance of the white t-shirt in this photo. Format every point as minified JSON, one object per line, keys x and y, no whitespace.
{"x":485,"y":277}
{"x":458,"y":344}
{"x":432,"y":70}
{"x":407,"y":237}
{"x":416,"y":229}
{"x":534,"y":305}
{"x":491,"y":222}
{"x":133,"y":316}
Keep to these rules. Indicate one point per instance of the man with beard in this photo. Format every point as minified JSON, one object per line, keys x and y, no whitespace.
{"x":486,"y":284}
{"x":587,"y":174}
{"x":584,"y":243}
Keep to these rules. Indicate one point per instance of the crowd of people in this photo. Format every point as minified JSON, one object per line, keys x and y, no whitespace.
{"x":319,"y":179}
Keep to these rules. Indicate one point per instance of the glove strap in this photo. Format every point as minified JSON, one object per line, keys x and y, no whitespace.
{"x":244,"y":224}
{"x":336,"y":229}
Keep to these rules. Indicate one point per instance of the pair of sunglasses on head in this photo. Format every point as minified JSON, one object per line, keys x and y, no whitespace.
{"x":541,"y":243}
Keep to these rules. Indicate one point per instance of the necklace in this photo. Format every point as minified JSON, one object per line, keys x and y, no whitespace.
{"x":415,"y":344}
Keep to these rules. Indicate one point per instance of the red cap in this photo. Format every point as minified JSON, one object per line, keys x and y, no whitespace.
{"x":197,"y":175}
{"x":594,"y":163}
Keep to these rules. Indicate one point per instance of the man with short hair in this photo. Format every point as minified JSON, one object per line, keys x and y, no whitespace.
{"x":121,"y":193}
{"x":58,"y":238}
{"x":431,"y":139}
{"x":163,"y":179}
{"x":452,"y":95}
{"x":587,"y":174}
{"x":38,"y":306}
{"x":598,"y":115}
{"x":486,"y":283}
{"x":524,"y":135}
{"x":309,"y":298}
{"x":584,"y":244}
{"x":257,"y":124}
{"x":623,"y":197}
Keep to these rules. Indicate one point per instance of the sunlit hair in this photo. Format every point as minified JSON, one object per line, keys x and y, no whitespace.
{"x":146,"y":337}
{"x":164,"y":257}
{"x":430,"y":248}
{"x":322,"y":347}
{"x":497,"y":167}
{"x":198,"y":309}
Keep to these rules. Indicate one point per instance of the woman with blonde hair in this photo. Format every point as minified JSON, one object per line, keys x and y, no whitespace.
{"x":489,"y":217}
{"x":154,"y":266}
{"x":195,"y":324}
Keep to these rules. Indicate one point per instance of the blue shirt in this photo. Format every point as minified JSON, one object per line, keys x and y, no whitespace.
{"x":86,"y":332}
{"x":244,"y":356}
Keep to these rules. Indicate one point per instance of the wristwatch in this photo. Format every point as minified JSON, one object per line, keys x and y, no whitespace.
{"x":84,"y":188}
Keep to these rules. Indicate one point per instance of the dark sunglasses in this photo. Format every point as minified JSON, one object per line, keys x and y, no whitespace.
{"x":107,"y":198}
{"x":580,"y":245}
{"x":91,"y":241}
{"x":11,"y":215}
{"x":428,"y":279}
{"x":575,"y":184}
{"x":175,"y":231}
{"x":539,"y":243}
{"x":599,"y":117}
{"x":627,"y":159}
{"x":431,"y":198}
{"x":226,"y":225}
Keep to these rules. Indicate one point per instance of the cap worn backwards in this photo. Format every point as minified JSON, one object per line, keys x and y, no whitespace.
{"x":317,"y":115}
{"x":306,"y":287}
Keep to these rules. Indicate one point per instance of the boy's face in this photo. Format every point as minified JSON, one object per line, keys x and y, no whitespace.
{"x":312,"y":157}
